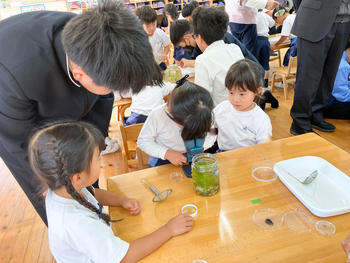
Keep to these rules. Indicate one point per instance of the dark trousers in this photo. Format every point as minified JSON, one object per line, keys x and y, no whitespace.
{"x":317,"y":68}
{"x":340,"y":110}
{"x":246,"y":33}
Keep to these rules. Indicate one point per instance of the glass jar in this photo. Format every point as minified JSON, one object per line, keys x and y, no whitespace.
{"x":205,"y":174}
{"x":172,"y":74}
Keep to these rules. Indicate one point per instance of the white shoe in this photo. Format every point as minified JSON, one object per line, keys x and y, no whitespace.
{"x":111,"y":146}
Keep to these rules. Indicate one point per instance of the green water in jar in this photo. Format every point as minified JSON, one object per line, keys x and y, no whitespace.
{"x":205,"y":175}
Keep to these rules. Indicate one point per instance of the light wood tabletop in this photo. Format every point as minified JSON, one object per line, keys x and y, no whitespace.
{"x":224,"y":230}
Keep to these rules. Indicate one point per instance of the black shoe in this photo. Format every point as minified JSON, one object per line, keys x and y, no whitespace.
{"x":262,"y":102}
{"x":271,"y":99}
{"x":296,"y":131}
{"x":323,"y":126}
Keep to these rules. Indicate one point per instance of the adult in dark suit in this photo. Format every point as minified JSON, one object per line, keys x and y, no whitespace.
{"x":323,"y":29}
{"x":56,"y":65}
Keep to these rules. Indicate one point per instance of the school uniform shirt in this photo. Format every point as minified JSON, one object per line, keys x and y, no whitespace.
{"x":149,"y":98}
{"x":158,"y":41}
{"x":287,"y":26}
{"x":159,"y":134}
{"x":238,"y":129}
{"x":244,"y":11}
{"x":212,"y":65}
{"x":76,"y":234}
{"x":263,"y":24}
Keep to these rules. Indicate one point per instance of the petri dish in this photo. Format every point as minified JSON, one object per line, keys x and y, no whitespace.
{"x":199,"y":261}
{"x":325,"y":228}
{"x":176,"y":177}
{"x":298,"y":220}
{"x":263,"y":172}
{"x":267,"y":218}
{"x":190,"y":209}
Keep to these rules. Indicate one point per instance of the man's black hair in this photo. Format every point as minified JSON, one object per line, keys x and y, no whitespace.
{"x":171,"y":9}
{"x":210,"y":22}
{"x":146,"y":14}
{"x":178,"y":29}
{"x":109,"y":43}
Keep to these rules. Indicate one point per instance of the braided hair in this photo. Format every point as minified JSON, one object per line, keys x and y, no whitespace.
{"x":59,"y":151}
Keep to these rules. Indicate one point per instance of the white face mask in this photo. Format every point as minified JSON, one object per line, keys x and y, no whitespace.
{"x":68,"y":72}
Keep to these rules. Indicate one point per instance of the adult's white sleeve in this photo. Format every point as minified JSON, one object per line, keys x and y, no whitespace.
{"x":201,"y":75}
{"x":147,"y":139}
{"x":258,"y":4}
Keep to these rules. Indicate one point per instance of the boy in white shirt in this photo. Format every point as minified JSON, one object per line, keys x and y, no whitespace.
{"x":240,"y":122}
{"x":209,"y":27}
{"x":281,"y":16}
{"x":157,"y":37}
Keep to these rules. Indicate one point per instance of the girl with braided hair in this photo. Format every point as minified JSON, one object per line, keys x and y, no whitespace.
{"x":66,"y":158}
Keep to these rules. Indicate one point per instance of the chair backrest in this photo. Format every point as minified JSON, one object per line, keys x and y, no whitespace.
{"x":130,"y":134}
{"x":142,"y":158}
{"x":292,"y":65}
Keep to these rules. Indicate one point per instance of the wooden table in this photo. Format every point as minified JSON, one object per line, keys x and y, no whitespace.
{"x":223,"y":229}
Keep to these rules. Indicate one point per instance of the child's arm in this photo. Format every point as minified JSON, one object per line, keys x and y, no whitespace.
{"x":107,"y":198}
{"x":145,"y":245}
{"x":165,"y":53}
{"x":186,"y":63}
{"x":280,"y":41}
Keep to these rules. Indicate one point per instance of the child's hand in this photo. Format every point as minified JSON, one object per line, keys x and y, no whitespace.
{"x":346,"y":245}
{"x":176,"y":158}
{"x":272,"y":47}
{"x":179,"y":224}
{"x":271,"y":4}
{"x":132,"y":205}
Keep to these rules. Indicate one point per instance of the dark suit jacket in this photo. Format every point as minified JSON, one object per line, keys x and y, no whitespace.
{"x":314,"y":18}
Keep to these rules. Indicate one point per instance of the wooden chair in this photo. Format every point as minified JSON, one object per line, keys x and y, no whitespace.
{"x":285,"y":74}
{"x":142,"y":158}
{"x":129,"y":137}
{"x":122,"y":105}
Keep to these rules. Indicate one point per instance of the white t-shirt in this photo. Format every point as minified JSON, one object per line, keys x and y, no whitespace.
{"x":158,"y":41}
{"x":240,"y":128}
{"x":160,"y":133}
{"x":212,"y":65}
{"x":263,"y":24}
{"x":287,"y":26}
{"x":76,"y":234}
{"x":149,"y":98}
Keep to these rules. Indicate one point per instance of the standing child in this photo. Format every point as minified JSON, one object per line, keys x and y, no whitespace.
{"x":239,"y":120}
{"x":186,"y":116}
{"x":158,"y":39}
{"x":66,"y":157}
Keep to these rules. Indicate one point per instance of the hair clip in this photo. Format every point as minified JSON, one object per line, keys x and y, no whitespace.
{"x":99,"y":210}
{"x":181,"y":81}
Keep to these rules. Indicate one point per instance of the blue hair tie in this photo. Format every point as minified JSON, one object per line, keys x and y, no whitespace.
{"x":182,"y":80}
{"x":99,"y":210}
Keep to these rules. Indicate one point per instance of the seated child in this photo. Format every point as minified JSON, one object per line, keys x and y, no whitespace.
{"x":186,"y":116}
{"x":66,"y":157}
{"x":170,"y":14}
{"x":146,"y":100}
{"x":281,"y":16}
{"x":188,"y":10}
{"x":240,"y":122}
{"x":181,"y":34}
{"x":158,"y":39}
{"x":339,"y":104}
{"x":209,"y":28}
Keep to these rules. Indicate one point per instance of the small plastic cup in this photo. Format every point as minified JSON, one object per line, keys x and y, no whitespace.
{"x":263,"y":171}
{"x":190,"y":209}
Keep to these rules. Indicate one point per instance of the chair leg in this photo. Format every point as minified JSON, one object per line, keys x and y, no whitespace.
{"x":279,"y":57}
{"x":285,"y":87}
{"x":273,"y":81}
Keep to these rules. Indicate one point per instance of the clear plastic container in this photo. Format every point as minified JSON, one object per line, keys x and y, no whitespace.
{"x":205,"y":174}
{"x":172,"y":74}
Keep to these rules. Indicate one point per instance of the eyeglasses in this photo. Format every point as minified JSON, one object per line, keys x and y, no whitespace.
{"x":280,"y":12}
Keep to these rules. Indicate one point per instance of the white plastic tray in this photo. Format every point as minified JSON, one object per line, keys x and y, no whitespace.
{"x":327,"y":195}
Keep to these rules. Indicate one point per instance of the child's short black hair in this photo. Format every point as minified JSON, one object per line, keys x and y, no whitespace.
{"x":245,"y":74}
{"x":191,"y":106}
{"x":178,"y":29}
{"x":146,"y":14}
{"x":189,"y":8}
{"x":109,"y":43}
{"x":171,"y":9}
{"x":210,"y":22}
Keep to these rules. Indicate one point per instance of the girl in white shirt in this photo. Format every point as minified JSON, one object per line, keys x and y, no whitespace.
{"x":186,"y":116}
{"x":240,"y":122}
{"x":66,"y":157}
